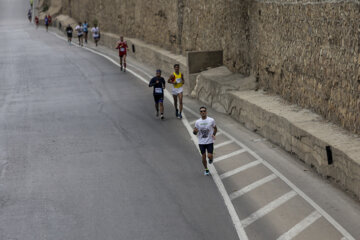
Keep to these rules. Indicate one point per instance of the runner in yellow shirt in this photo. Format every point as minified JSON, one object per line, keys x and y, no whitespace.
{"x":177,"y":80}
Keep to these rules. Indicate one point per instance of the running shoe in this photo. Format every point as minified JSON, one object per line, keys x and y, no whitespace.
{"x":206,"y":172}
{"x":162,"y":117}
{"x":210,"y":161}
{"x":177,"y":113}
{"x":121,"y":68}
{"x":180,"y":115}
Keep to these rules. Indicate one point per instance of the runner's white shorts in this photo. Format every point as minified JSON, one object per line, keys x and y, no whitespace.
{"x":176,"y":91}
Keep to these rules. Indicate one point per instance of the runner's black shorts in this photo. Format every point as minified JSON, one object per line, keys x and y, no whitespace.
{"x":206,"y":147}
{"x":159,"y":98}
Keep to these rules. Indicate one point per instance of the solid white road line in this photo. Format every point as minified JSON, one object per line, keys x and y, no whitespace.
{"x":235,"y":218}
{"x":268,"y":208}
{"x":332,"y":221}
{"x":239,"y":169}
{"x":229,"y":155}
{"x":252,"y":186}
{"x":301,"y":226}
{"x":223,"y":144}
{"x":192,"y":122}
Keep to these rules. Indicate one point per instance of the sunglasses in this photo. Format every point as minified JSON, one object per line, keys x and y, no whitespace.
{"x":203,"y":111}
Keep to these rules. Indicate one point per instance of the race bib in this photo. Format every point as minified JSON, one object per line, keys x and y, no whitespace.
{"x":122,"y":49}
{"x":178,"y":80}
{"x":158,"y":90}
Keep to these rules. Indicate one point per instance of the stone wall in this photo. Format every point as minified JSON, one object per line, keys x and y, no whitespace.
{"x":176,"y":25}
{"x":308,"y":53}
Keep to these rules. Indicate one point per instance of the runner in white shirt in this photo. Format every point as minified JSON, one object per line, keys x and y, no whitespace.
{"x":206,"y":130}
{"x":96,"y":34}
{"x":79,"y":30}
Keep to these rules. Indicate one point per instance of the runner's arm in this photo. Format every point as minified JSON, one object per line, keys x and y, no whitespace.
{"x":182,"y":77}
{"x":151,"y":83}
{"x":195,"y":131}
{"x":214,"y":133}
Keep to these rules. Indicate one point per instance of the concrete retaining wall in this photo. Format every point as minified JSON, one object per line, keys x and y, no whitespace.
{"x":297,"y":130}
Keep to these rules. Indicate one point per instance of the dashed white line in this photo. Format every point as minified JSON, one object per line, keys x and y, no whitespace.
{"x":301,"y":226}
{"x":239,"y":169}
{"x":229,"y":155}
{"x":331,"y":220}
{"x":232,"y":212}
{"x":223,"y":144}
{"x":252,"y":186}
{"x":192,"y":122}
{"x":268,"y":208}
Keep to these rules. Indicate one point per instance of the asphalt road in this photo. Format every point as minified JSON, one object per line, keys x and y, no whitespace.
{"x":82,"y":155}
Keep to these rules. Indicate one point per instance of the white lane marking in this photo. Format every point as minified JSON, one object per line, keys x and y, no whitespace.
{"x":223,"y":144}
{"x":192,"y":122}
{"x":268,"y":208}
{"x":229,"y":155}
{"x":331,"y":220}
{"x":239,"y":169}
{"x":235,"y":218}
{"x":219,"y":133}
{"x":301,"y":226}
{"x":252,"y":186}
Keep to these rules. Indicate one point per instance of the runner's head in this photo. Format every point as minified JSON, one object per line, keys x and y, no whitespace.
{"x":79,"y":23}
{"x":158,"y":73}
{"x":121,"y":38}
{"x":176,"y":68}
{"x":203,"y":112}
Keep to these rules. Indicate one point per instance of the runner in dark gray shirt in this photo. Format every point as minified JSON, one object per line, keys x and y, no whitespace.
{"x":158,"y":83}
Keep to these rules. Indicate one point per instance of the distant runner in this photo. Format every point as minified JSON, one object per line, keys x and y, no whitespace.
{"x":158,"y":83}
{"x":85,"y":29}
{"x":50,"y":19}
{"x":29,"y":15}
{"x":206,"y":130}
{"x":177,"y":79}
{"x":69,"y":32}
{"x":37,"y":21}
{"x":46,"y":19}
{"x":79,"y":30}
{"x":122,"y":46}
{"x":96,"y":34}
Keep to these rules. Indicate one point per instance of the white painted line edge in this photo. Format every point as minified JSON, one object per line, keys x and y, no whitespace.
{"x":268,"y":208}
{"x":301,"y":226}
{"x":223,"y":144}
{"x":238,"y":225}
{"x":239,"y":169}
{"x":192,"y":122}
{"x":234,"y":217}
{"x":252,"y":186}
{"x":229,"y":155}
{"x":331,"y":220}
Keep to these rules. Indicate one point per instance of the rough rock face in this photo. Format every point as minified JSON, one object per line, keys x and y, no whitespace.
{"x":307,"y":51}
{"x":177,"y":25}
